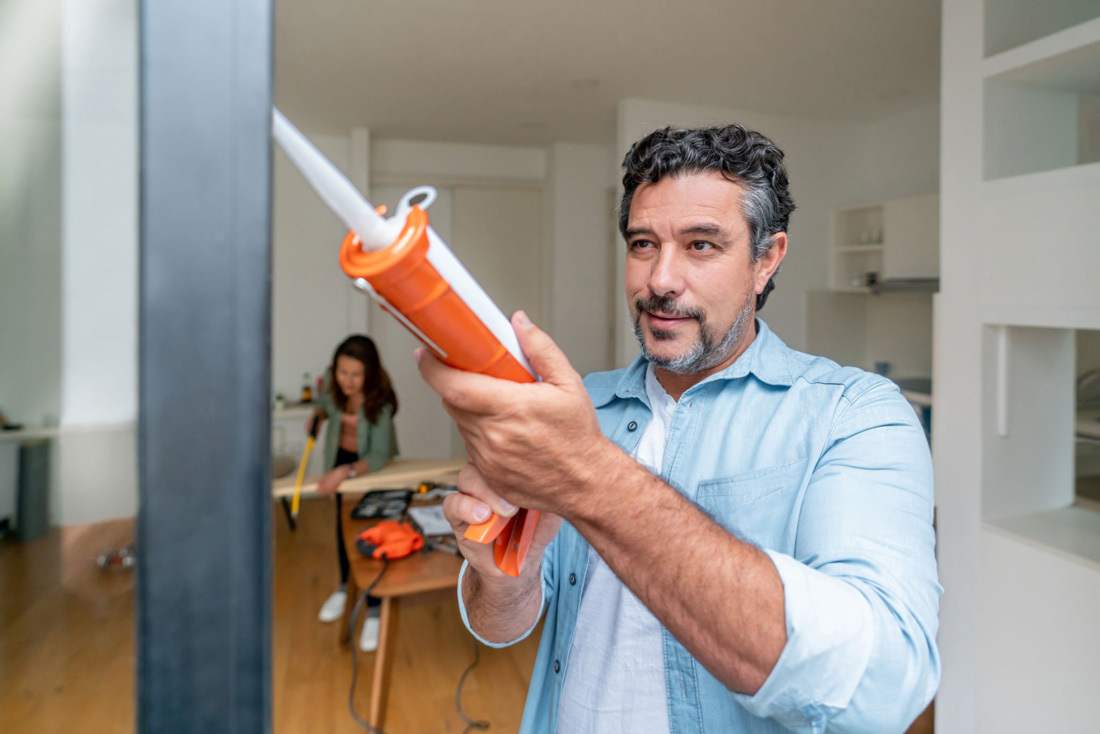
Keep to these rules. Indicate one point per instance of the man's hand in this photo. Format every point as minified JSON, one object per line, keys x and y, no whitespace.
{"x":472,"y":505}
{"x":533,"y":445}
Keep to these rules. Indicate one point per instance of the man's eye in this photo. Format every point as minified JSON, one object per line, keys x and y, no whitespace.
{"x":700,"y":246}
{"x":640,"y":244}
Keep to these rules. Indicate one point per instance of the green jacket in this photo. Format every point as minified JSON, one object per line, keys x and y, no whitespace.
{"x":377,"y":441}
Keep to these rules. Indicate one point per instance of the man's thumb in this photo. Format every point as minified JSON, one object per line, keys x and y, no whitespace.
{"x":546,"y":358}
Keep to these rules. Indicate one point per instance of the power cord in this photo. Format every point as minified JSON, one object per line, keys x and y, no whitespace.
{"x":471,"y":725}
{"x":354,"y":660}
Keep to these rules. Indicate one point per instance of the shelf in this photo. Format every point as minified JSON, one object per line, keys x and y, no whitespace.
{"x":1050,"y":85}
{"x":29,"y":434}
{"x":1073,"y":177}
{"x":293,"y":410}
{"x":1067,"y":59}
{"x":918,"y":398}
{"x":1014,"y":24}
{"x":1073,"y":532}
{"x":875,"y":247}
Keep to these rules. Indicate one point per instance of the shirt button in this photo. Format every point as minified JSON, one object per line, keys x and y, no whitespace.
{"x":632,"y":426}
{"x":557,"y":666}
{"x":572,"y":579}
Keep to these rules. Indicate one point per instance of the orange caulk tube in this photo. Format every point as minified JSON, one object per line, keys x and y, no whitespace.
{"x":407,"y":283}
{"x":404,"y":265}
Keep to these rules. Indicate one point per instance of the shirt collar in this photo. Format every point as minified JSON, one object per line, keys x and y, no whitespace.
{"x":766,"y":359}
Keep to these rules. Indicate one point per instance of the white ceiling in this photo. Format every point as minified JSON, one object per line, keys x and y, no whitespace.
{"x":527,"y":72}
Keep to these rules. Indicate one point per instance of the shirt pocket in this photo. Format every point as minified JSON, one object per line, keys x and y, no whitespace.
{"x":758,"y":506}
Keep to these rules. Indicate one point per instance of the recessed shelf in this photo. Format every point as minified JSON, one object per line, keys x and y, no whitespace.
{"x":1067,"y":59}
{"x":1010,"y":24}
{"x":1081,"y":176}
{"x":1073,"y":531}
{"x":860,"y":248}
{"x":1042,"y":104}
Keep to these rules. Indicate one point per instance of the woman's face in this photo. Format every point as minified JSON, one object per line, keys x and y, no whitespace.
{"x":350,"y":375}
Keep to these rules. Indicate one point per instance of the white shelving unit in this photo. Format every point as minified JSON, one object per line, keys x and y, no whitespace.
{"x":1020,"y":181}
{"x":857,"y":247}
{"x":1009,"y":24}
{"x":894,"y":239}
{"x":1042,"y":103}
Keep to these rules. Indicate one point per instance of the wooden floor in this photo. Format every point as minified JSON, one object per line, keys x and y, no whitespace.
{"x":66,"y":644}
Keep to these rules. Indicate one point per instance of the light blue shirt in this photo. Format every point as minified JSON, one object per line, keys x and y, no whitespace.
{"x":827,"y":470}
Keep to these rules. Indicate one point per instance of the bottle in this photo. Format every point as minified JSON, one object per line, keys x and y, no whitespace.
{"x":307,"y":390}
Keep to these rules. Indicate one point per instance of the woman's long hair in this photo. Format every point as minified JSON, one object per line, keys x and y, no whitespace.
{"x":377,"y":388}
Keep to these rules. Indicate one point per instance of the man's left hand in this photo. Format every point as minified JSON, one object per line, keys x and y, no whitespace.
{"x":535,"y":444}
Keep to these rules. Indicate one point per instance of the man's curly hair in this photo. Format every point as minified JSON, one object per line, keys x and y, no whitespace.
{"x":742,"y":156}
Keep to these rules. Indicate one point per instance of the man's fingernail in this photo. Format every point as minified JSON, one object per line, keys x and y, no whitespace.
{"x":417,"y":354}
{"x":506,"y":505}
{"x":482,"y":512}
{"x":522,"y":320}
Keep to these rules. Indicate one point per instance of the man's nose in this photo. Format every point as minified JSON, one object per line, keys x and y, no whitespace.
{"x":667,"y":277}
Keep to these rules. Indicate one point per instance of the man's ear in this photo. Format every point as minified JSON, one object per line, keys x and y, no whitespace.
{"x":767,"y":265}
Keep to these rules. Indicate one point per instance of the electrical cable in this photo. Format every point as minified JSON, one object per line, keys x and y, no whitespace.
{"x":354,"y":644}
{"x":470,"y":724}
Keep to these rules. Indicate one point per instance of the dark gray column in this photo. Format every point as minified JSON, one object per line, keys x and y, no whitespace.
{"x":204,"y":535}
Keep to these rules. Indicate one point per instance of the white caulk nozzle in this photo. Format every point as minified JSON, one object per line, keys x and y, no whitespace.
{"x":375,"y":232}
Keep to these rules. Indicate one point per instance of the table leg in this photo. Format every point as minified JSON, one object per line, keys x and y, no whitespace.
{"x":383,"y":661}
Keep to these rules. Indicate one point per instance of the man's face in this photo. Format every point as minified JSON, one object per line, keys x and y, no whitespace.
{"x":690,"y":279}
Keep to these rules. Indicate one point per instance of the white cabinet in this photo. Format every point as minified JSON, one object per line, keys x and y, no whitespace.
{"x":912,"y":245}
{"x":892,"y":240}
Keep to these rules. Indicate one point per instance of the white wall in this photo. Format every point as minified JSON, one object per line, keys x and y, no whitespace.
{"x":314,"y":305}
{"x":582,"y":251}
{"x":859,"y":330}
{"x":30,"y":268}
{"x":901,"y":154}
{"x":95,"y":458}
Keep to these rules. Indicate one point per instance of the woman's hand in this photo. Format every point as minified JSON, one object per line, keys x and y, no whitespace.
{"x":331,"y":480}
{"x":318,"y":415}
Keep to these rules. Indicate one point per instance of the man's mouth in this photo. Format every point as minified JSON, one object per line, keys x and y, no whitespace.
{"x":662,"y":320}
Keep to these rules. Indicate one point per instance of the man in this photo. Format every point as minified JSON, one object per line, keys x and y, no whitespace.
{"x":747,"y":542}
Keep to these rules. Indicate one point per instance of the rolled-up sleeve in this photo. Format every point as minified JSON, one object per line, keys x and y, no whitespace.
{"x":861,"y":590}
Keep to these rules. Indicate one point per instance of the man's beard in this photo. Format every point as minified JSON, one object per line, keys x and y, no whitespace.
{"x":707,"y":352}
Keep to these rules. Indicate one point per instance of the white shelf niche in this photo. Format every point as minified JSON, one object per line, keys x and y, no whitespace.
{"x":1010,"y":24}
{"x":1030,"y":470}
{"x":894,"y":239}
{"x":857,"y":246}
{"x":1042,"y":104}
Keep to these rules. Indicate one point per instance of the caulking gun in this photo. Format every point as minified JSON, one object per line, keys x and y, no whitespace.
{"x":404,"y":265}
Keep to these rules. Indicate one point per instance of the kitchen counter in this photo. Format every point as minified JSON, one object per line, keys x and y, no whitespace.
{"x":917,"y":390}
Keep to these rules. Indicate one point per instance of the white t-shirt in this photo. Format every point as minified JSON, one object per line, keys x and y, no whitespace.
{"x":615,"y":681}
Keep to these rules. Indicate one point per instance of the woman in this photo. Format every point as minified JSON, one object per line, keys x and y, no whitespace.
{"x":359,"y":399}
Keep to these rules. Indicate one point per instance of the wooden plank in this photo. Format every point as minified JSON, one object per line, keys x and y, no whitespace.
{"x":399,"y":473}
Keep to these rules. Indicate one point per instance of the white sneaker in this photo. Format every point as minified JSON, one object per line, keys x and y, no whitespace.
{"x":334,"y":606}
{"x":368,"y":638}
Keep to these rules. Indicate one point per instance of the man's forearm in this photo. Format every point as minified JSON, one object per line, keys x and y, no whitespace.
{"x":720,"y":597}
{"x":502,"y":609}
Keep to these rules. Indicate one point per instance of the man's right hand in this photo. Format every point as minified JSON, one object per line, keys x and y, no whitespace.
{"x":471,"y":505}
